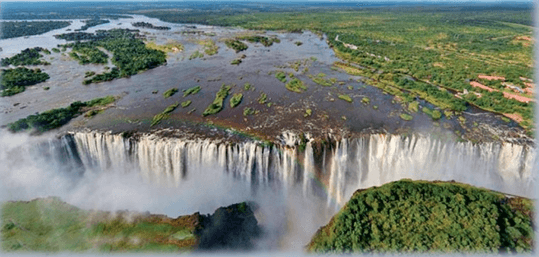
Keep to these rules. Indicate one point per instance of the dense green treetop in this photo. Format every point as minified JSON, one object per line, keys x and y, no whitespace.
{"x":420,"y":216}
{"x":28,"y":56}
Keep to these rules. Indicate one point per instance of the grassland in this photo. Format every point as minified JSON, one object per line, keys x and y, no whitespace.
{"x":419,"y":216}
{"x":296,"y":85}
{"x":51,"y":226}
{"x":169,"y":47}
{"x":210,"y":48}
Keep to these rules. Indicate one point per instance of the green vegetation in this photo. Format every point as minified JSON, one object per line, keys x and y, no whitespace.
{"x":52,"y":226}
{"x":186,"y":103}
{"x":237,"y":45}
{"x":46,"y":88}
{"x":236,"y":99}
{"x":266,"y":41}
{"x":164,"y":115}
{"x":308,"y":113}
{"x":217,"y":104}
{"x":296,"y":85}
{"x":191,"y":91}
{"x":28,"y":56}
{"x":365,"y":100}
{"x":14,"y":81}
{"x":29,"y":28}
{"x":281,"y":76}
{"x":262,"y":99}
{"x":431,"y":53}
{"x":406,"y":116}
{"x":101,"y":101}
{"x":235,"y":62}
{"x":92,"y":113}
{"x":56,"y":50}
{"x":319,"y":79}
{"x":130,"y":54}
{"x":247,"y":86}
{"x":210,"y":48}
{"x":196,"y":54}
{"x":345,"y":98}
{"x":248,"y":111}
{"x":87,"y":54}
{"x":418,"y":216}
{"x":298,"y":43}
{"x":55,"y":118}
{"x":170,"y":92}
{"x":92,"y":23}
{"x":148,"y":25}
{"x":435,"y":114}
{"x":413,"y":106}
{"x":89,"y":74}
{"x":170,"y":46}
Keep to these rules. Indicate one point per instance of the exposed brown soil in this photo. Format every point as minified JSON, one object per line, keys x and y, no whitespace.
{"x":490,"y":77}
{"x":514,"y":116}
{"x":479,"y":85}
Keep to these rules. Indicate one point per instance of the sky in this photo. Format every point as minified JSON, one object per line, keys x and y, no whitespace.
{"x":349,"y":1}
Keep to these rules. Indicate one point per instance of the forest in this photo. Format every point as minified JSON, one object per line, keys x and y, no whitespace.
{"x":87,"y":53}
{"x":55,"y":118}
{"x":92,"y":23}
{"x":130,"y":54}
{"x":148,"y":25}
{"x":12,"y":29}
{"x":14,"y":81}
{"x":420,"y":216}
{"x":28,"y":56}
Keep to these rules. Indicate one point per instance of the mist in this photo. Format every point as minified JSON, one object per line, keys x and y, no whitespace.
{"x":288,"y":218}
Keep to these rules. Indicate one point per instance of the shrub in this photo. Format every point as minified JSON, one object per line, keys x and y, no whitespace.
{"x":236,"y":100}
{"x":345,"y":98}
{"x":296,"y":85}
{"x":281,"y":76}
{"x":186,"y":103}
{"x":191,"y":91}
{"x":406,"y":116}
{"x":170,"y":92}
{"x":217,"y":104}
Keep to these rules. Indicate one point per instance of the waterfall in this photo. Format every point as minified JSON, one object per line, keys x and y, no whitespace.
{"x":343,"y":167}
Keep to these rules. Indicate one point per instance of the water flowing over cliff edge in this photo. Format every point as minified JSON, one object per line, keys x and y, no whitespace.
{"x":331,"y":169}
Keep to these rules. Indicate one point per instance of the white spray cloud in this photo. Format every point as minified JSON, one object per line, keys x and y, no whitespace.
{"x":288,"y":218}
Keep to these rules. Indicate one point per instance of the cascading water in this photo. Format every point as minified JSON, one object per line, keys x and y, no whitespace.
{"x":346,"y":166}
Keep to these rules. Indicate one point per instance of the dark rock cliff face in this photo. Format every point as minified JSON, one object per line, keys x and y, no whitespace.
{"x":229,"y":228}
